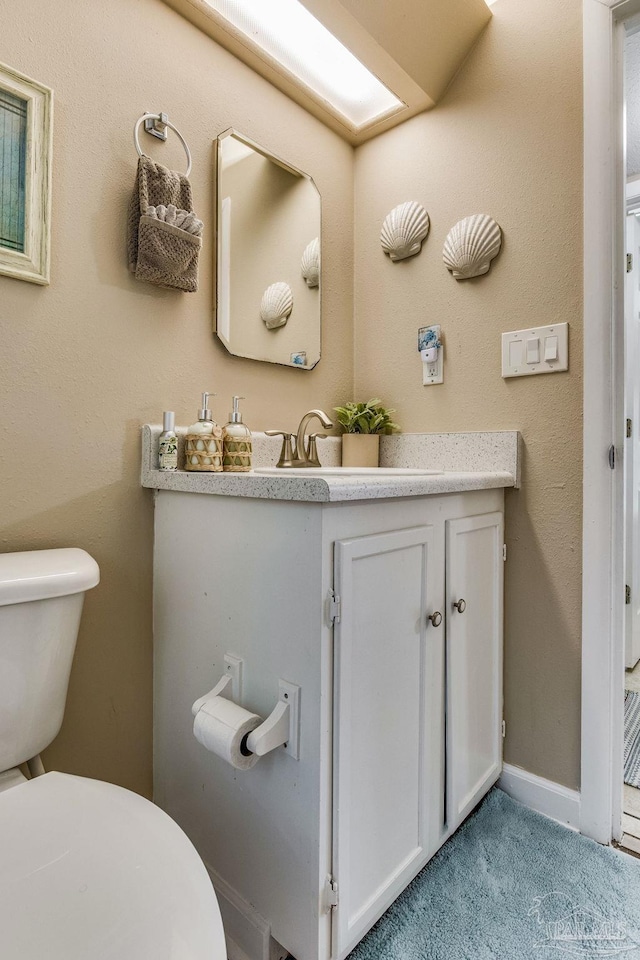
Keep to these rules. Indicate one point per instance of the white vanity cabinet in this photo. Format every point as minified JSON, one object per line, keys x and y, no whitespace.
{"x":474,"y":557}
{"x":400,"y":703}
{"x":417,"y":701}
{"x":389,"y":723}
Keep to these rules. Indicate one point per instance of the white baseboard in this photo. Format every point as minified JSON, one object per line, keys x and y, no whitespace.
{"x":544,"y":796}
{"x":247,"y":933}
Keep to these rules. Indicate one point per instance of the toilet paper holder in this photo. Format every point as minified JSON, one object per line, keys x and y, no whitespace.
{"x":281,"y":727}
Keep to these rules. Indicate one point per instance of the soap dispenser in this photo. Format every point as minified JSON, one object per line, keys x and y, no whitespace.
{"x":203,"y":442}
{"x":236,"y":456}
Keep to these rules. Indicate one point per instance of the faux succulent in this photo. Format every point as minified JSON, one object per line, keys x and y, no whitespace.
{"x":367,"y":417}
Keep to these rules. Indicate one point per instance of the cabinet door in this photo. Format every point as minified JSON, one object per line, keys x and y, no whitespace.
{"x":388,"y":812}
{"x":474,"y":576}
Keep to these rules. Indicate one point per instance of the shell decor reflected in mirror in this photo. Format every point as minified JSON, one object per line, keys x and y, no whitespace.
{"x":471,"y":246}
{"x":404,"y":230}
{"x":268,"y":214}
{"x":276,"y":305}
{"x":310,"y":264}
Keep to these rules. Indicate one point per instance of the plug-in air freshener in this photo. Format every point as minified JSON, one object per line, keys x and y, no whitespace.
{"x":432,"y":354}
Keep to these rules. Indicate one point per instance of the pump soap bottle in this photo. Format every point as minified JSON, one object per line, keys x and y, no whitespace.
{"x":203,"y":442}
{"x":236,"y":456}
{"x":168,"y":443}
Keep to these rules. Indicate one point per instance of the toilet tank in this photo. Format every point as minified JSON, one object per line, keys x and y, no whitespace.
{"x":41,"y":596}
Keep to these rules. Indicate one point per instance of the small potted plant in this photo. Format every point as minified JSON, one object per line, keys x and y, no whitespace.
{"x":362,"y":424}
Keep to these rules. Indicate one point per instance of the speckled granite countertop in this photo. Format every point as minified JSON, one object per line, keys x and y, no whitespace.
{"x":469,"y":461}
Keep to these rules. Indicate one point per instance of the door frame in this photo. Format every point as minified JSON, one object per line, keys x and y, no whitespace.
{"x":603,"y":553}
{"x":632,"y":391}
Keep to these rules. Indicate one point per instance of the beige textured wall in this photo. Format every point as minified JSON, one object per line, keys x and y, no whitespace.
{"x":505,"y":140}
{"x":88,"y":359}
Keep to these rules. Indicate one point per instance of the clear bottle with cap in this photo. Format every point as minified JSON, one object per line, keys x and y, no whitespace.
{"x":168,"y":443}
{"x":237,"y":444}
{"x":203,"y":442}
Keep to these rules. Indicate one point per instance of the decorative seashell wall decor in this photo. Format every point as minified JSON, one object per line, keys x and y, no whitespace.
{"x":471,"y":246}
{"x":404,"y":230}
{"x":276,"y":305}
{"x":310,"y":264}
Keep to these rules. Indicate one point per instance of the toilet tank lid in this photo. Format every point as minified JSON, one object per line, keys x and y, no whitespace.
{"x":40,"y":574}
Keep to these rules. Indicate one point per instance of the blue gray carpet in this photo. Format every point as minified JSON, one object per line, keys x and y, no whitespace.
{"x":632,"y":738}
{"x":512,"y":885}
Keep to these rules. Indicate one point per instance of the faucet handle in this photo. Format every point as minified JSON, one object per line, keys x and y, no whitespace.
{"x":312,"y":453}
{"x":286,"y":454}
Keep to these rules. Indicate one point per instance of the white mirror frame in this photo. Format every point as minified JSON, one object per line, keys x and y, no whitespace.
{"x":33,"y":263}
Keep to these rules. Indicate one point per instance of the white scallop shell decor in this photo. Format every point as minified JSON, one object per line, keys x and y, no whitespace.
{"x":471,"y":246}
{"x":404,"y":230}
{"x":276,"y":305}
{"x":310,"y":264}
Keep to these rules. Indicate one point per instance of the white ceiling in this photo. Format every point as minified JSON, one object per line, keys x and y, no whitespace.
{"x":414,"y":47}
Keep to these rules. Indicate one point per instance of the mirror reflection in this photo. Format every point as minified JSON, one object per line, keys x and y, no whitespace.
{"x":268,"y":256}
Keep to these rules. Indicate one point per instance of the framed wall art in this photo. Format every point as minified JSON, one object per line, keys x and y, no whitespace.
{"x":26,"y":114}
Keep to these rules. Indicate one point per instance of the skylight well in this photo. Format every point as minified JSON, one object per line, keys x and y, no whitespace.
{"x":289,"y":34}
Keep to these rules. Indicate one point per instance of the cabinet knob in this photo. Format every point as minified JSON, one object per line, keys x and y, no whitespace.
{"x":436,"y":618}
{"x":461,"y":605}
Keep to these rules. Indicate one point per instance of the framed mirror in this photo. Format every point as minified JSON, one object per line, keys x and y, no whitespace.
{"x":268,"y":280}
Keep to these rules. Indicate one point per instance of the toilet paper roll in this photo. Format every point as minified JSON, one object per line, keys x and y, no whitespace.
{"x":221,"y":726}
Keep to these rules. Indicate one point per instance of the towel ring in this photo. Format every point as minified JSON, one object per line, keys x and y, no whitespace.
{"x":156,"y":116}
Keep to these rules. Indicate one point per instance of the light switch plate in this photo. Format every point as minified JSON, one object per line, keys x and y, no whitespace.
{"x":514,"y":350}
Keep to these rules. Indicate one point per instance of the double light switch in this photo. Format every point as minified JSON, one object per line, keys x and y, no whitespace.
{"x":535,"y":350}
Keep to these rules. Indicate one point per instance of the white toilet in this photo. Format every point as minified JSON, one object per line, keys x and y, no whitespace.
{"x":88,"y":870}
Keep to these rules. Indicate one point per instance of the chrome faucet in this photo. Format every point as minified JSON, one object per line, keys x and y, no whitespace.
{"x":303,"y":456}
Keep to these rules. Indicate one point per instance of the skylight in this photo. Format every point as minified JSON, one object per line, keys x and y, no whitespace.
{"x":290,"y":35}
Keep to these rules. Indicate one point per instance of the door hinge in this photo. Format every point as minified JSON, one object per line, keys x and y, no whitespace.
{"x":629,"y":262}
{"x":627,"y":593}
{"x":612,"y":457}
{"x":504,"y":729}
{"x":332,"y":893}
{"x":334,"y":604}
{"x":504,"y":551}
{"x":628,"y":427}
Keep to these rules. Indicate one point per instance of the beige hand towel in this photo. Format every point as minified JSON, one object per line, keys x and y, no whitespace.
{"x":160,"y":251}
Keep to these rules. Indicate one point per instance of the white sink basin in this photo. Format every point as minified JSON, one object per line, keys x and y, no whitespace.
{"x":375,"y":472}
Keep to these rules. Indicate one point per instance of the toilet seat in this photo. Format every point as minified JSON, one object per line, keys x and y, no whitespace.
{"x":90,"y":871}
